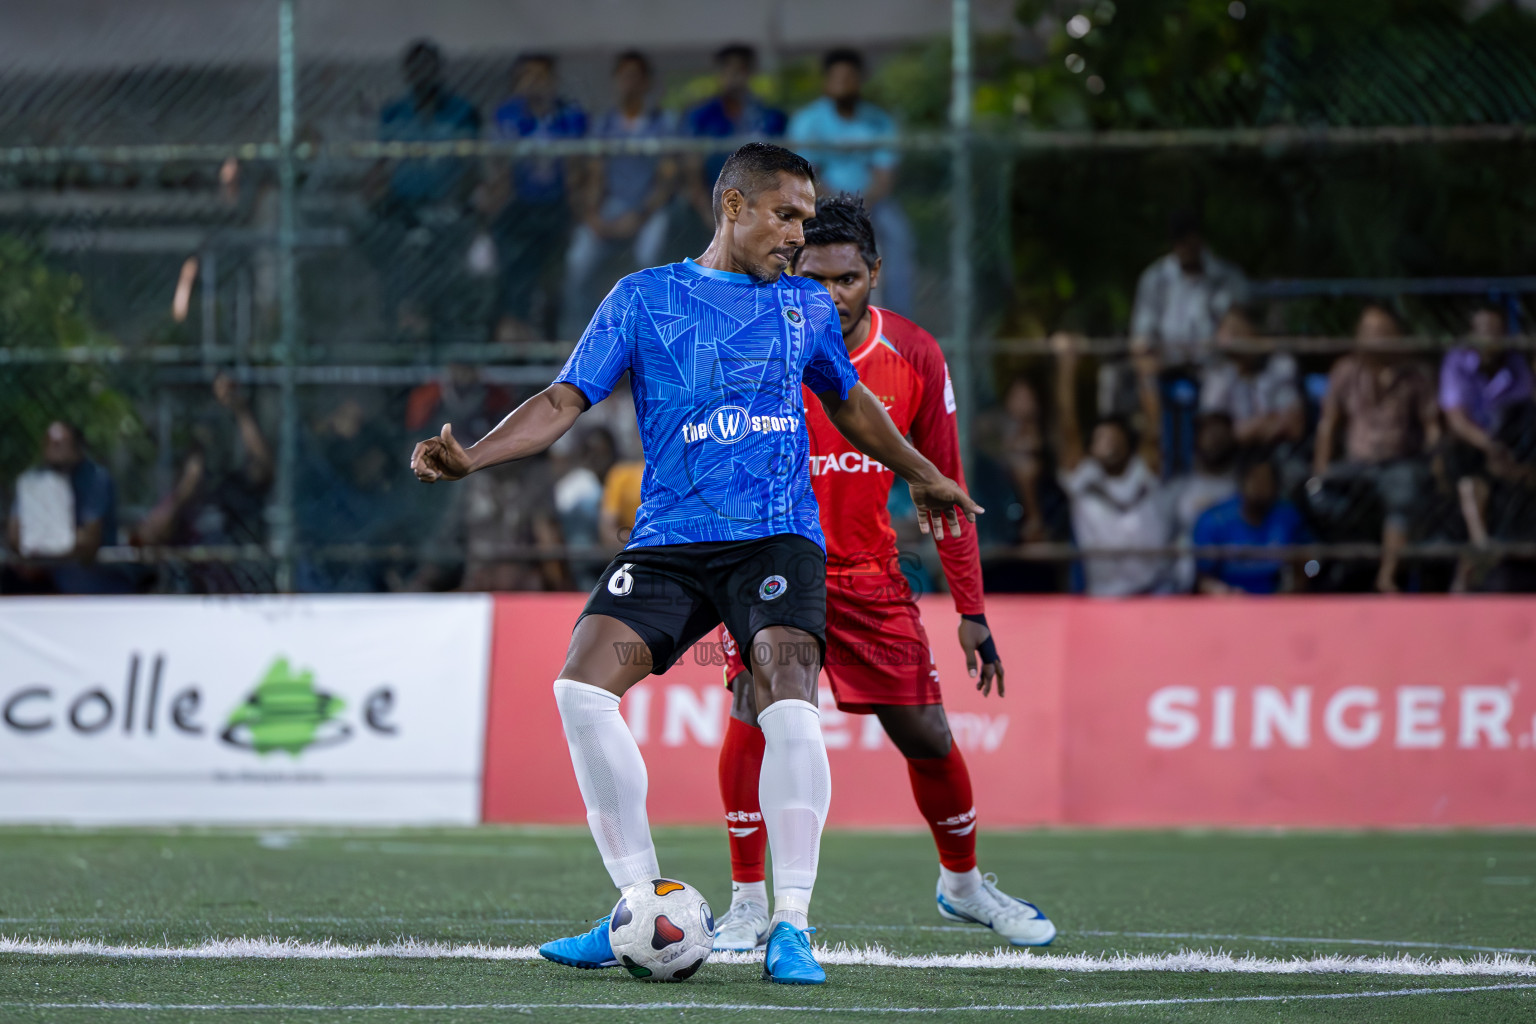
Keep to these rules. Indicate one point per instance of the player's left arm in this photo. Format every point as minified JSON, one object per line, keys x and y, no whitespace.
{"x":864,"y":422}
{"x":934,"y":432}
{"x":861,"y":418}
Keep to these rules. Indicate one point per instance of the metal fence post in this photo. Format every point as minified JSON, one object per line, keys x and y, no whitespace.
{"x":282,"y":517}
{"x":962,"y":223}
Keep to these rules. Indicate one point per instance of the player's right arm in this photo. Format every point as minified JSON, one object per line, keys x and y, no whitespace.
{"x":600,"y":358}
{"x":861,"y":418}
{"x":528,"y":430}
{"x":1071,"y":434}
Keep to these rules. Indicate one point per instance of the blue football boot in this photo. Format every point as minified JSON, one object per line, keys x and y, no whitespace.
{"x":789,"y":960}
{"x":588,"y":952}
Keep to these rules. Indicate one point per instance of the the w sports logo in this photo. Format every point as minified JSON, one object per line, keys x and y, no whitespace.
{"x":728,"y":424}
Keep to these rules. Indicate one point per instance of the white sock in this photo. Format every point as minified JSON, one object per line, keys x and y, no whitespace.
{"x":749,"y":892}
{"x":611,"y":774}
{"x":795,"y":790}
{"x":961,"y":883}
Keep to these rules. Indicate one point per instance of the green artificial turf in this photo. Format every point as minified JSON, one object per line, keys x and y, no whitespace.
{"x":1273,"y":895}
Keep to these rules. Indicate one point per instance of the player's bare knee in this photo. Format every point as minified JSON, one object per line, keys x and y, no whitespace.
{"x":744,"y":699}
{"x":918,"y":731}
{"x":786,"y":663}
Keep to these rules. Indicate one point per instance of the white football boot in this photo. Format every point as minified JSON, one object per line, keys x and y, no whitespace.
{"x":1016,"y":920}
{"x":743,"y":928}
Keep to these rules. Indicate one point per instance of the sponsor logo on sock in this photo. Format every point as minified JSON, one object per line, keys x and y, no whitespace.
{"x":743,"y":815}
{"x":960,"y":824}
{"x":740,"y":832}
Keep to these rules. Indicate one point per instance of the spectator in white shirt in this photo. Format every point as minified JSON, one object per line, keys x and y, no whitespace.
{"x":1182,"y":296}
{"x":1259,"y":392}
{"x":1180,"y":299}
{"x":1116,"y":498}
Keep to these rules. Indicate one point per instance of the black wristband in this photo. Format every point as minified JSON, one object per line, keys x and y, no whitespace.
{"x":988,"y":647}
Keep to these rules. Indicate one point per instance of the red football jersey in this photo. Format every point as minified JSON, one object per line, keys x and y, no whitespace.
{"x":904,"y":367}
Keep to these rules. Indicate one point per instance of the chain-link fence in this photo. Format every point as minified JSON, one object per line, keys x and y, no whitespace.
{"x":1294,"y":338}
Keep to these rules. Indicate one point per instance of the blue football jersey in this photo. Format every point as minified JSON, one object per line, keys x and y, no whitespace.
{"x":716,"y":361}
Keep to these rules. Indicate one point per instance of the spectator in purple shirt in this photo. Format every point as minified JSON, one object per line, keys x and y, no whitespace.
{"x":1486,"y":394}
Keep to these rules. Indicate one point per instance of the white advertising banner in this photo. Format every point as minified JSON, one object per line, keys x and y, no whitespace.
{"x":346,"y":709}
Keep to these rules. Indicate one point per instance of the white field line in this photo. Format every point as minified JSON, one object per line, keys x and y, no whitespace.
{"x":676,"y":1006}
{"x":1314,"y":940}
{"x":1496,"y":966}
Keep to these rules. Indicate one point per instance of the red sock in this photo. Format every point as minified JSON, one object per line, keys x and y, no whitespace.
{"x":741,"y":762}
{"x":942,"y":786}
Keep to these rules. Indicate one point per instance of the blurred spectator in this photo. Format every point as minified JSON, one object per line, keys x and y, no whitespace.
{"x":1179,"y":301}
{"x":65,"y":510}
{"x":218,"y":499}
{"x":459,"y":397}
{"x":621,"y":500}
{"x":734,"y":112}
{"x":1117,"y":500}
{"x":347,"y":473}
{"x":510,"y":512}
{"x":1212,"y":481}
{"x":422,"y":230}
{"x":843,"y":115}
{"x":533,"y":203}
{"x":1486,"y":394}
{"x":580,"y":466}
{"x":624,"y":204}
{"x":463,"y":399}
{"x":1386,"y":401}
{"x":1016,"y":472}
{"x":1260,"y":392}
{"x":1255,"y":517}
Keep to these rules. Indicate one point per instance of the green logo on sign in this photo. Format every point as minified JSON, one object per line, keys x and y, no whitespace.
{"x":286,"y":712}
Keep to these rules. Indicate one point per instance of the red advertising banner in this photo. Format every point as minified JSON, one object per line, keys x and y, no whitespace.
{"x":1301,"y":711}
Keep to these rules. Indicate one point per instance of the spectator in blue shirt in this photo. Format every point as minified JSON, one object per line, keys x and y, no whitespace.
{"x":734,"y":112}
{"x":623,"y":207}
{"x":422,"y":221}
{"x":843,"y":115}
{"x":533,"y":202}
{"x":71,"y":487}
{"x":1256,"y":517}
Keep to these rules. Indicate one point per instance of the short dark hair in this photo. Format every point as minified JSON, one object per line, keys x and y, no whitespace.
{"x":1123,"y":425}
{"x":1385,"y":309}
{"x":70,"y":426}
{"x":842,"y":219}
{"x":755,"y":167}
{"x":842,"y":55}
{"x":1185,"y":222}
{"x":1493,"y":306}
{"x":736,"y":51}
{"x":525,"y":59}
{"x":1255,"y":459}
{"x":632,"y":56}
{"x":1214,"y":416}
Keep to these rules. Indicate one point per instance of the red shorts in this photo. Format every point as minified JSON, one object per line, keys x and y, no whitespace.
{"x":877,"y":650}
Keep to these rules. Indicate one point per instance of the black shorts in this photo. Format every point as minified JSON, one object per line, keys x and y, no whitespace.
{"x":673,"y":594}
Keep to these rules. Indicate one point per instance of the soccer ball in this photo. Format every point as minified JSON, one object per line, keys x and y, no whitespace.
{"x":662,"y":931}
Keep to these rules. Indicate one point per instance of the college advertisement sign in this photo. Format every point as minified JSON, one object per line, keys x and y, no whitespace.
{"x":251,"y":709}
